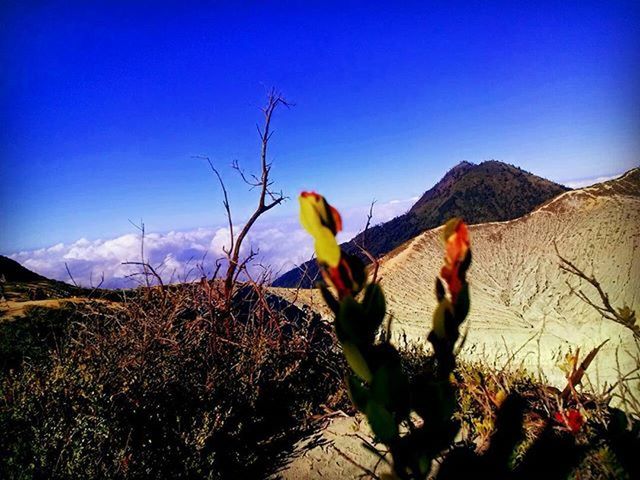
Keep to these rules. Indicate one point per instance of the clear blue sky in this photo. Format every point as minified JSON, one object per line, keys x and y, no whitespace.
{"x":103,"y":104}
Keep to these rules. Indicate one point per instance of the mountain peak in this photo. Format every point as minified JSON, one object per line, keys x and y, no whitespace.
{"x":459,"y":169}
{"x":486,"y":192}
{"x":463,"y":165}
{"x":469,"y":186}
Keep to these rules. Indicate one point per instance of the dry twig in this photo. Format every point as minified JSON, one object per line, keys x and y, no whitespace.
{"x":623,"y":316}
{"x":363,"y":246}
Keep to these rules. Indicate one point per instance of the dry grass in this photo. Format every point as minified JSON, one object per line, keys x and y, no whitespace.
{"x":170,"y":383}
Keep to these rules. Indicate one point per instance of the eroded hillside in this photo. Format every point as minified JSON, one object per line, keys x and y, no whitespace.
{"x":523,"y":311}
{"x":522,"y":303}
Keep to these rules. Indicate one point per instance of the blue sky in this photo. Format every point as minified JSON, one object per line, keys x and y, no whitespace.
{"x":104,"y":104}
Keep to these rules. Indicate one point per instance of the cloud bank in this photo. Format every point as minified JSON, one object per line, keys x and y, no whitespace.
{"x":586,"y":182}
{"x":186,"y":255}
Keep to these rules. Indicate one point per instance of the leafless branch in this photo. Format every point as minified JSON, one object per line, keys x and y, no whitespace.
{"x":575,"y":377}
{"x":148,"y":271}
{"x":624,"y":316}
{"x":226,"y":204}
{"x":97,"y":287}
{"x":142,"y":262}
{"x":69,"y":273}
{"x":363,"y":246}
{"x":243,"y":265}
{"x":274,"y":100}
{"x":255,"y":182}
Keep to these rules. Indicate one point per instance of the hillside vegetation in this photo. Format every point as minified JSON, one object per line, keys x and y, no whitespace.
{"x":167,"y":384}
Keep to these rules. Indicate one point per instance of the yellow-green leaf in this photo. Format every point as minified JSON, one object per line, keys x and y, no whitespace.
{"x":327,"y":249}
{"x":356,"y":361}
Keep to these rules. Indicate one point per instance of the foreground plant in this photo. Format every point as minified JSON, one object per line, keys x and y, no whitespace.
{"x":416,"y":417}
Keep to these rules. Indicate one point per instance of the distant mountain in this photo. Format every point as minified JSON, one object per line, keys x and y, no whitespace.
{"x":14,"y":272}
{"x":23,"y":284}
{"x":488,"y":192}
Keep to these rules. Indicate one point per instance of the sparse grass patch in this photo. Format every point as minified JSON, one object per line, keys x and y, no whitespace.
{"x":31,"y":337}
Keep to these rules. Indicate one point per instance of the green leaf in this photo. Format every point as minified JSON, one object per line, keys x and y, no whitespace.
{"x":356,"y":361}
{"x":358,"y":271}
{"x":443,"y":310}
{"x":434,"y":401}
{"x":390,"y":388}
{"x":424,"y":464}
{"x":389,"y":476}
{"x":381,"y":385}
{"x":358,"y":393}
{"x":440,"y":291}
{"x":382,"y":422}
{"x":352,"y":322}
{"x":464,"y":266}
{"x":374,"y":306}
{"x":462,"y":304}
{"x":329,"y":299}
{"x":390,"y":385}
{"x":340,"y":333}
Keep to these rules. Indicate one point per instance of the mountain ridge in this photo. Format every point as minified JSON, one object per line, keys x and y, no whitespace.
{"x":488,"y":191}
{"x":519,"y":291}
{"x":14,"y":272}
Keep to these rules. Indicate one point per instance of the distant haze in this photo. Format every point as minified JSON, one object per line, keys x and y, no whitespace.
{"x":178,"y":255}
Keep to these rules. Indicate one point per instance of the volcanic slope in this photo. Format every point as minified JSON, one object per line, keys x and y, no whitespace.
{"x":523,"y":311}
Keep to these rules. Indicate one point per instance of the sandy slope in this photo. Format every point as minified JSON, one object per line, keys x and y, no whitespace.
{"x":518,"y":290}
{"x":12,"y":309}
{"x":336,"y":453}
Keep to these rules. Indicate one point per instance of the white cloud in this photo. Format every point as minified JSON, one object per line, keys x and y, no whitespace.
{"x":355,"y":219}
{"x":281,"y":244}
{"x":586,"y":182}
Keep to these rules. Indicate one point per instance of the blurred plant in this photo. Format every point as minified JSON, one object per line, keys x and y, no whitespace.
{"x":417,"y":416}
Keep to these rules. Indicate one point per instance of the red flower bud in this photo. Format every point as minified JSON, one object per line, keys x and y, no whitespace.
{"x":341,"y":278}
{"x":456,"y":237}
{"x":571,"y":418}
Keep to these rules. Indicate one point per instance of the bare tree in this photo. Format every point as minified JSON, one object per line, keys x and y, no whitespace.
{"x":267,"y":199}
{"x":148,"y":271}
